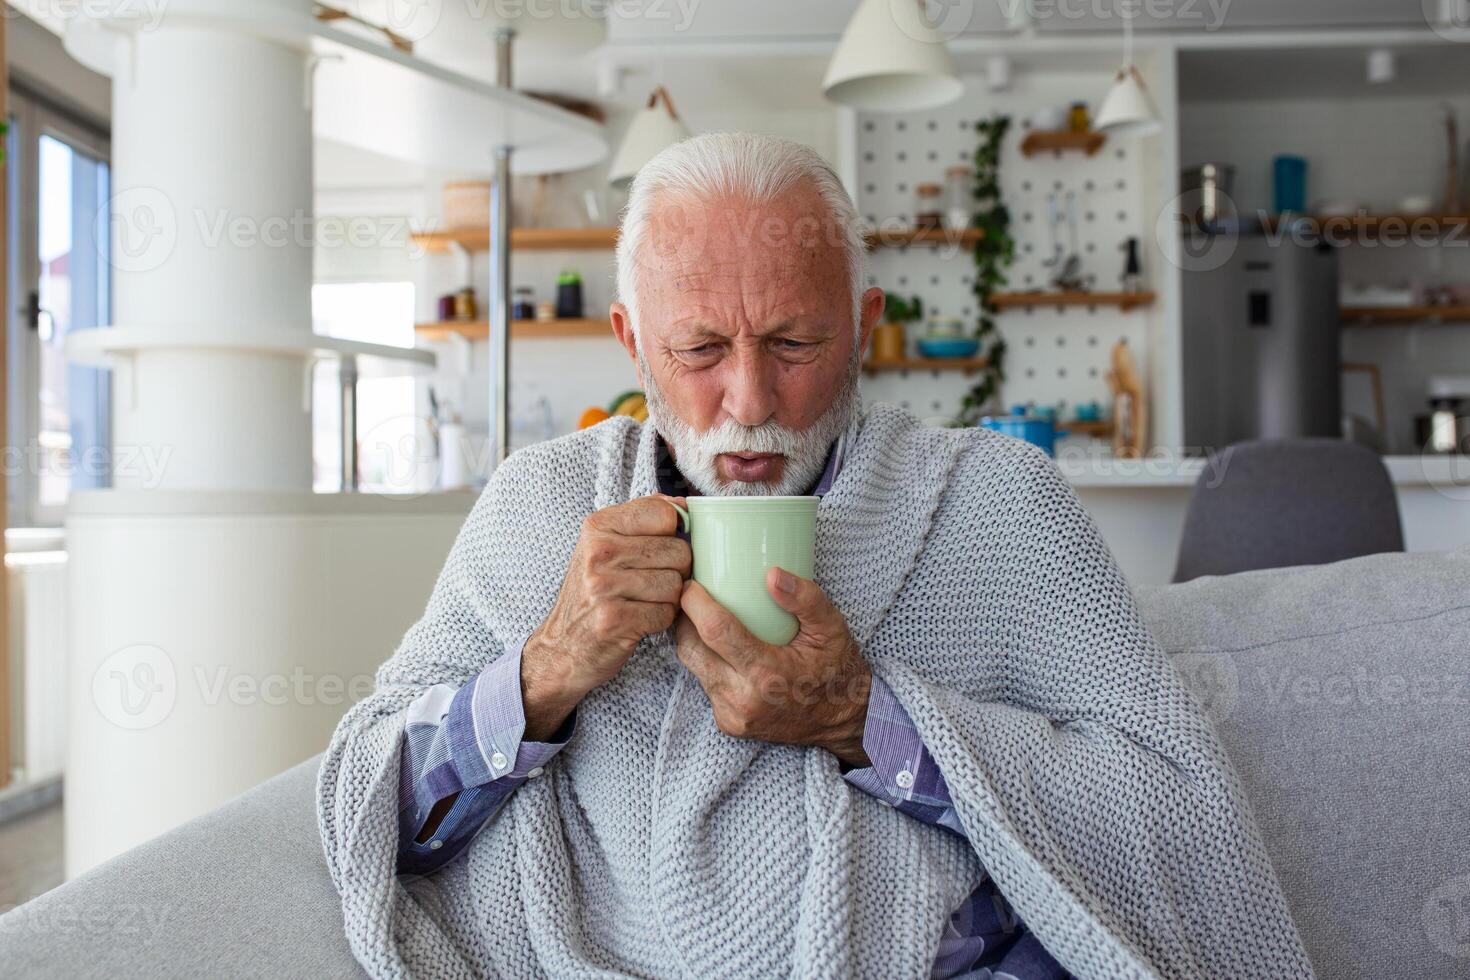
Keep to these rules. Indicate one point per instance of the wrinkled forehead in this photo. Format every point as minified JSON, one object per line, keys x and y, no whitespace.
{"x":698,"y":245}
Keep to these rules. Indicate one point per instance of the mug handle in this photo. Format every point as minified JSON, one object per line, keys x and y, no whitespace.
{"x":684,"y":514}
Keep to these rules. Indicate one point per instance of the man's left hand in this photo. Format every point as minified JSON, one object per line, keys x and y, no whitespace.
{"x":813,"y":691}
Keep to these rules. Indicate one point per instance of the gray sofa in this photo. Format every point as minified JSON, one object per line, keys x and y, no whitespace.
{"x":1342,"y":692}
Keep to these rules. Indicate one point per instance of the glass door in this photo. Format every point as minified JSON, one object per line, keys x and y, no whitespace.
{"x":60,"y":423}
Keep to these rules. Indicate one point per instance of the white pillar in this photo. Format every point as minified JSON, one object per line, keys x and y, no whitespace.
{"x":211,"y":229}
{"x":210,"y":224}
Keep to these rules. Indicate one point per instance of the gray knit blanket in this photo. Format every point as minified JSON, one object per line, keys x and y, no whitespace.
{"x":1086,"y":777}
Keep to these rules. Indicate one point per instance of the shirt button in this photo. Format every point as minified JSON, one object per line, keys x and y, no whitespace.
{"x":533,"y":773}
{"x":434,"y":845}
{"x":498,"y":761}
{"x":904,"y":779}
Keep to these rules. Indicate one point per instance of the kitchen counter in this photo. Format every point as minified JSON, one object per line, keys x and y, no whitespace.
{"x":1086,"y":469}
{"x":1139,"y":504}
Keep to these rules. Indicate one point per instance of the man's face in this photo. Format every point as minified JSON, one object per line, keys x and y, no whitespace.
{"x":746,"y":321}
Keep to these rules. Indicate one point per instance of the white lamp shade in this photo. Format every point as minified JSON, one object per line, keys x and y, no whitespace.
{"x":653,"y":129}
{"x":891,"y":59}
{"x":1127,"y":109}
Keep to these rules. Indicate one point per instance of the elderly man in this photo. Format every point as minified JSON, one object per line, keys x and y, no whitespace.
{"x":577,"y":763}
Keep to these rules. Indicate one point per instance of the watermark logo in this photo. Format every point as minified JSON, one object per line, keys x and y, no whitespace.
{"x":1450,"y":19}
{"x":136,"y":15}
{"x":412,"y":20}
{"x":930,"y":20}
{"x":141,"y":226}
{"x":136,"y":687}
{"x":1188,"y":234}
{"x":1213,"y":679}
{"x":1447,"y":917}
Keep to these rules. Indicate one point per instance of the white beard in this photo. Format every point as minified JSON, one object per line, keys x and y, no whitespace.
{"x":805,"y":450}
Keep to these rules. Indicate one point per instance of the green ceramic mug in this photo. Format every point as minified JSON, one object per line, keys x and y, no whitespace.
{"x":736,"y":540}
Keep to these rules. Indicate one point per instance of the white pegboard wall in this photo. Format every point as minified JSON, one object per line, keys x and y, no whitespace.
{"x":1056,"y":356}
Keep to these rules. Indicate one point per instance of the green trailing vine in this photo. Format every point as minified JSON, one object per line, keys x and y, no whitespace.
{"x":994,"y":252}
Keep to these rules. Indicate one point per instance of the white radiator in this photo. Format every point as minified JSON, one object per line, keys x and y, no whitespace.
{"x":37,"y":581}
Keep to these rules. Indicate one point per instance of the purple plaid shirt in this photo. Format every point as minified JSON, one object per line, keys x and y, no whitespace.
{"x":467,"y":743}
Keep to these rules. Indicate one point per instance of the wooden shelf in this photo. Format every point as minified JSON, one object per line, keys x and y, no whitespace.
{"x":932,"y":237}
{"x":1061,"y":141}
{"x":1123,"y":301}
{"x":968,"y":365}
{"x":595,"y":239}
{"x":1102,"y":429}
{"x":519,"y":329}
{"x":1402,"y":315}
{"x":521,"y":239}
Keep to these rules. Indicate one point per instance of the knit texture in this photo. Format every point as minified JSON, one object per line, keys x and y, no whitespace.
{"x":1085,"y":775}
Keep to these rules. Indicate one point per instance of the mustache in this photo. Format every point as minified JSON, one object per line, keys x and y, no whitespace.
{"x":731,"y":437}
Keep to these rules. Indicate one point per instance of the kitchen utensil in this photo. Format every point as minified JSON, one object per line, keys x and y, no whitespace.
{"x":1130,"y":407}
{"x":945,"y":347}
{"x":1053,"y":217}
{"x":737,"y":540}
{"x":1375,"y":378}
{"x":1132,"y":278}
{"x":1444,"y":436}
{"x":959,"y":201}
{"x":1042,"y":432}
{"x":1205,"y":194}
{"x":927,"y":206}
{"x":1070,"y":278}
{"x":1448,"y":426}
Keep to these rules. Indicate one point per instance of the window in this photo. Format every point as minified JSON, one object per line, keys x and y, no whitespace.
{"x":378,"y":313}
{"x":60,"y":436}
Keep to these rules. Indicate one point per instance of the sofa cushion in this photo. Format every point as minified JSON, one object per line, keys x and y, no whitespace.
{"x":242,"y":891}
{"x":1342,"y":695}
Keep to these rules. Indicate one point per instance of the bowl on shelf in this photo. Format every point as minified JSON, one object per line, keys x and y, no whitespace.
{"x":948,"y":347}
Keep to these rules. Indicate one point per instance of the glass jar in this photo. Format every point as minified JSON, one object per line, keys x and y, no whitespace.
{"x":927,"y":206}
{"x":1077,"y":120}
{"x":525,"y":304}
{"x":959,"y":205}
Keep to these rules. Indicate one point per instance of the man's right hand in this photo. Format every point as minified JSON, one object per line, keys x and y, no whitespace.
{"x":624,"y":582}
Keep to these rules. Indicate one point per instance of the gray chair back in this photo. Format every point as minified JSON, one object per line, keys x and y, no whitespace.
{"x":1275,"y":503}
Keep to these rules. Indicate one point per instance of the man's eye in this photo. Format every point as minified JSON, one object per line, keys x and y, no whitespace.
{"x":788,"y":344}
{"x":701,"y":351}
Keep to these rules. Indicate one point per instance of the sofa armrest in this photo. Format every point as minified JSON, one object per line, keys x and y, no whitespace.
{"x":242,"y":891}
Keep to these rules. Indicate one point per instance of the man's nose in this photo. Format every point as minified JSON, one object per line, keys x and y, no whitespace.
{"x":750,"y":393}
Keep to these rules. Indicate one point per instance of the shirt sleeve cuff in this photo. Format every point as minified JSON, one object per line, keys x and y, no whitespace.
{"x":487,"y":721}
{"x":901,"y":769}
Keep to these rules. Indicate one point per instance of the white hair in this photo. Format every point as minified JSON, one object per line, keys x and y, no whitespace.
{"x":744,"y":165}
